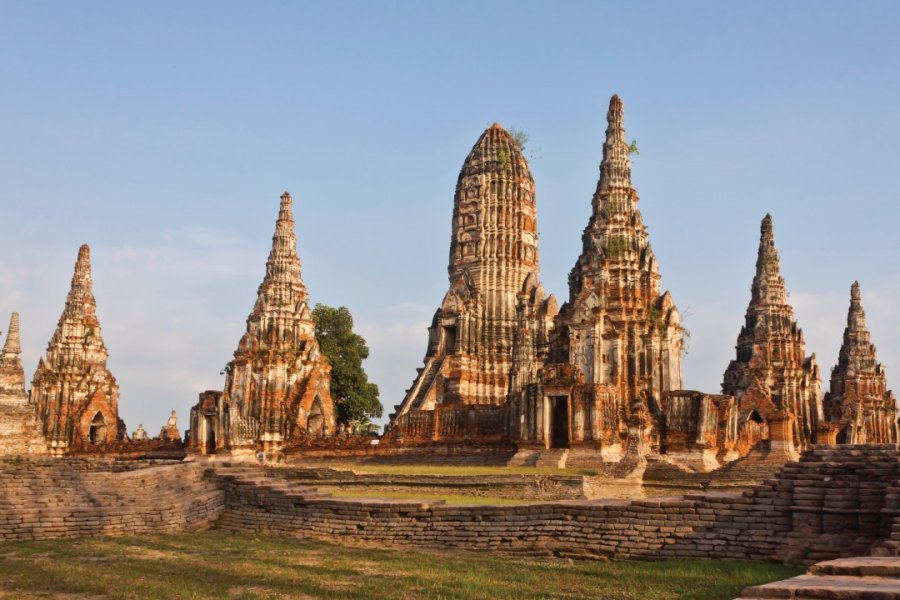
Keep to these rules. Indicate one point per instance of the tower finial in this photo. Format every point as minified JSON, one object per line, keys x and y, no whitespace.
{"x":13,"y":344}
{"x":615,"y":167}
{"x":855,"y":294}
{"x":767,"y":232}
{"x":615,"y":114}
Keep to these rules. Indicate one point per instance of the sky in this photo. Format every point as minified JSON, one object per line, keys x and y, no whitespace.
{"x":163,"y":133}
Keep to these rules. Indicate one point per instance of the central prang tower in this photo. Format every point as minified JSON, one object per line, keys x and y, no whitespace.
{"x":493,"y":274}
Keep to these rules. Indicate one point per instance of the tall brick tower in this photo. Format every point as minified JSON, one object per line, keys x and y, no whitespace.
{"x":771,"y":377}
{"x":618,"y":339}
{"x":859,"y":401}
{"x":277,"y":387}
{"x":493,"y":274}
{"x":76,"y":396}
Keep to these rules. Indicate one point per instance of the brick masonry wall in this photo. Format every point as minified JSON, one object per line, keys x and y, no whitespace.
{"x":71,"y":498}
{"x":829,"y":504}
{"x":834,"y":502}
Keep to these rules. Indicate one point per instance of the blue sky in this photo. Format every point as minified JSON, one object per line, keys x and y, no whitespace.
{"x":162,"y":133}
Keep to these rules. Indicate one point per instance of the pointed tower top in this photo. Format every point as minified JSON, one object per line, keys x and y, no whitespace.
{"x":84,"y":259}
{"x":856,"y":316}
{"x":82,"y":284}
{"x":284,"y":264}
{"x":615,"y":168}
{"x":768,"y":284}
{"x":615,"y":109}
{"x":496,"y":126}
{"x":767,"y":231}
{"x":13,"y":345}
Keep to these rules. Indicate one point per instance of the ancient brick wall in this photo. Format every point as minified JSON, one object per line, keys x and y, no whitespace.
{"x":829,"y":504}
{"x":836,"y":501}
{"x":71,"y":498}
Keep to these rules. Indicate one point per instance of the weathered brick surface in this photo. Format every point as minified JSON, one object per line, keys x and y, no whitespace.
{"x":71,"y":498}
{"x":828,"y":505}
{"x":834,"y":502}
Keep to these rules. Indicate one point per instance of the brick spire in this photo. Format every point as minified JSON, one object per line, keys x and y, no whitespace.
{"x":494,"y":212}
{"x":12,"y":347}
{"x":768,"y":284}
{"x":771,"y":372}
{"x":615,"y":167}
{"x":620,"y":328}
{"x":76,"y":396}
{"x":858,"y":397}
{"x":12,"y":377}
{"x":283,"y":264}
{"x":279,"y":353}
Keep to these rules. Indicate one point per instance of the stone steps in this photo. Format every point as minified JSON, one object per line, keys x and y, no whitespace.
{"x":554,"y":458}
{"x":858,"y":578}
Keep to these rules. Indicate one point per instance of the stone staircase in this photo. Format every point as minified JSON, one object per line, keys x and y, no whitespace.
{"x":254,"y":476}
{"x":424,"y":380}
{"x":554,"y":458}
{"x":858,"y":578}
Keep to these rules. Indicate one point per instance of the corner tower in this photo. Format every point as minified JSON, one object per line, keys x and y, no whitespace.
{"x":76,"y":396}
{"x":277,"y":387}
{"x":493,"y":272}
{"x":859,"y":401}
{"x":772,"y":378}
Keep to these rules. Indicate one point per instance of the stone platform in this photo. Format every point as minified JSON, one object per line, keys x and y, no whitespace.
{"x":857,"y":578}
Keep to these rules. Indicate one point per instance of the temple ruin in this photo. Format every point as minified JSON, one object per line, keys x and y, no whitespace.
{"x":20,"y":431}
{"x":277,"y":387}
{"x":495,"y":307}
{"x":859,"y":409}
{"x":598,"y":380}
{"x":615,"y":348}
{"x":76,"y":396}
{"x":508,"y":376}
{"x":776,"y":385}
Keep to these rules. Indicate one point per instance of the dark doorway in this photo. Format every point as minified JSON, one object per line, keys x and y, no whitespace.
{"x":559,"y":422}
{"x":210,"y":442}
{"x":449,"y":339}
{"x":97,"y":432}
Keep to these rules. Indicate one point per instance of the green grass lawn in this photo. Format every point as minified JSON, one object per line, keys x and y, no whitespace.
{"x":218,"y":564}
{"x":458,"y":470}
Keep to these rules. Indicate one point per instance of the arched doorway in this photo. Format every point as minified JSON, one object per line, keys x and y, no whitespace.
{"x":97,"y":430}
{"x":315,"y":424}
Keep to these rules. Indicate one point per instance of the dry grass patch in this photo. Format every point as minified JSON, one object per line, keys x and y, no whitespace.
{"x":217,"y":564}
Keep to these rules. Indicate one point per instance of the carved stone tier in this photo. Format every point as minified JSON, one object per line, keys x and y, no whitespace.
{"x":771,"y":373}
{"x":76,"y":396}
{"x":859,"y":404}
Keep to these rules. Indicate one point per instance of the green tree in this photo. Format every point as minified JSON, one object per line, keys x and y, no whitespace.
{"x":355,"y":398}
